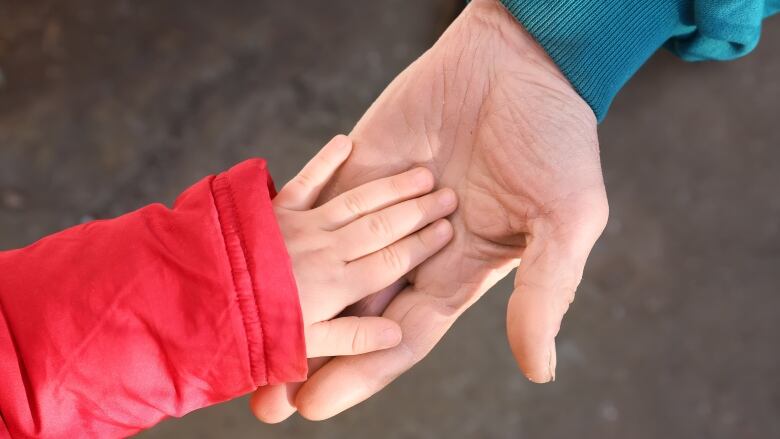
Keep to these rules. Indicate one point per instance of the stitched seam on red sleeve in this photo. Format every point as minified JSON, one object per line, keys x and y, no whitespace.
{"x":250,"y":266}
{"x":241,"y":265}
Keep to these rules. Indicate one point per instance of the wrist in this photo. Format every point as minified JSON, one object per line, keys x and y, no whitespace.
{"x":512,"y":50}
{"x":259,"y":268}
{"x":492,"y":17}
{"x":599,"y":45}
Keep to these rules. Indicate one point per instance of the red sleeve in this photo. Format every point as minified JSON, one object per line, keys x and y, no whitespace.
{"x":108,"y":327}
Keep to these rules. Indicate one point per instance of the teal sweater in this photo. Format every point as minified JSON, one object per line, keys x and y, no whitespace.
{"x":600,"y":44}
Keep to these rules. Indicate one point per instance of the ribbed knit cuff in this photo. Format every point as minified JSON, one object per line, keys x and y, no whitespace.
{"x":599,"y":44}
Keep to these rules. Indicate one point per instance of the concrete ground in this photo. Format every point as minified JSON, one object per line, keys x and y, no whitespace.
{"x":108,"y":105}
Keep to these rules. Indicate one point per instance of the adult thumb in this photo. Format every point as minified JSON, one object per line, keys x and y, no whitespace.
{"x":547,"y":278}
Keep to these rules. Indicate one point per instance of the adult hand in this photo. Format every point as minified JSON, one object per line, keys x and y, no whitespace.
{"x":492,"y":116}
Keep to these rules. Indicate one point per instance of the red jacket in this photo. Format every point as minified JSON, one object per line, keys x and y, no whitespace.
{"x":108,"y":327}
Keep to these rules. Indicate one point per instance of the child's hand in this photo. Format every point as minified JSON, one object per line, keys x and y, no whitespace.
{"x":355,"y":245}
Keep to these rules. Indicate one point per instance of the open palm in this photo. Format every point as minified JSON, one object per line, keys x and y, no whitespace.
{"x":494,"y":119}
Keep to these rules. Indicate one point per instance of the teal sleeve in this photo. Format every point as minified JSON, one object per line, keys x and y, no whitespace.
{"x":600,"y":44}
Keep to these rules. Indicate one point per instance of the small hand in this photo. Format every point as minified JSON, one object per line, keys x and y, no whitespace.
{"x":356,"y":244}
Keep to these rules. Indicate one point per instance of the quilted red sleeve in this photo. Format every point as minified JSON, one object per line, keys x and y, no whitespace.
{"x":108,"y":327}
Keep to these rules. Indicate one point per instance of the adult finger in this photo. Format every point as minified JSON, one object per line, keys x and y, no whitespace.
{"x":545,"y":284}
{"x":302,"y":191}
{"x":424,"y":312}
{"x":274,"y":404}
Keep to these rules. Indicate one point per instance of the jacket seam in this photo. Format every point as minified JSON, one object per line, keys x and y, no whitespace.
{"x":249,"y":265}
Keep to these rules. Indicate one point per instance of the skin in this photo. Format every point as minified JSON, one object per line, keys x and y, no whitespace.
{"x":355,"y":244}
{"x":492,"y":117}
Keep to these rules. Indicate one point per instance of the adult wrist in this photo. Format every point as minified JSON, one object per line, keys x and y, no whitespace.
{"x":598,"y":45}
{"x":517,"y":52}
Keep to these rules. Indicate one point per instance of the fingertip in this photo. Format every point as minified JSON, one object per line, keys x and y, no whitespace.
{"x":390,"y":335}
{"x":436,"y":236}
{"x":312,"y":414}
{"x":423,"y":178}
{"x":341,"y":147}
{"x":341,"y":142}
{"x":540,"y":376}
{"x":383,"y":333}
{"x":538,"y":367}
{"x":323,"y":398}
{"x":531,"y":332}
{"x":271,"y":405}
{"x":538,"y":379}
{"x":448,"y":198}
{"x":306,"y":402}
{"x":537,"y":364}
{"x":443,"y":229}
{"x":302,"y":191}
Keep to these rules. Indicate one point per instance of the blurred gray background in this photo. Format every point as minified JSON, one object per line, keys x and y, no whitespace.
{"x":109,"y":105}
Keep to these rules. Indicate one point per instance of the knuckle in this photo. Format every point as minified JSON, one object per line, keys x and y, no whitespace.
{"x":354,"y":204}
{"x":601,"y":212}
{"x":582,"y":220}
{"x":379,"y":225}
{"x":304,"y":180}
{"x":565,"y":298}
{"x":593,"y":208}
{"x":319,"y":254}
{"x":569,"y":285}
{"x":392,"y":259}
{"x":359,"y":338}
{"x":338,"y":279}
{"x":422,"y":208}
{"x":331,"y":217}
{"x":326,"y":335}
{"x":324,"y":256}
{"x":421,"y":239}
{"x":396,"y":186}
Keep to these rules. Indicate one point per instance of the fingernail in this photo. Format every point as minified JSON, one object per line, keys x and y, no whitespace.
{"x":553,"y":361}
{"x":446,"y":198}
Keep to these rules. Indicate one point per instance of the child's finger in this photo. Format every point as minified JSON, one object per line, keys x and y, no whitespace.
{"x":302,"y":191}
{"x":380,"y":269}
{"x":275,"y":403}
{"x":376,"y":195}
{"x":378,"y":230}
{"x":351,"y":336}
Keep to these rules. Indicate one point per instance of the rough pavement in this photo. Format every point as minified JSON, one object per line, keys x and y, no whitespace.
{"x":109,"y":105}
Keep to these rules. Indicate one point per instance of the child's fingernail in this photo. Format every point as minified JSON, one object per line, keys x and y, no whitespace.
{"x":447,"y":198}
